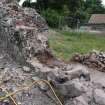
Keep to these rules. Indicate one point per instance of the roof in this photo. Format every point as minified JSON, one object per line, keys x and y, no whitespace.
{"x":97,"y":19}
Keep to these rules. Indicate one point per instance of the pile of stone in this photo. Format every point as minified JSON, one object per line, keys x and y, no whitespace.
{"x":24,"y":53}
{"x":73,"y":85}
{"x":93,"y":59}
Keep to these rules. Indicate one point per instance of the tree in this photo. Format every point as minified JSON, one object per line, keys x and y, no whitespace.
{"x":94,"y":7}
{"x":74,"y":10}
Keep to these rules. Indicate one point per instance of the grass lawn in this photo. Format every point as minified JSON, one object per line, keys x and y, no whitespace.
{"x":65,"y":44}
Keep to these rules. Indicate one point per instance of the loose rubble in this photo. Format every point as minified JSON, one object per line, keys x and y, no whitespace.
{"x":94,"y":59}
{"x":80,"y":101}
{"x":99,"y":96}
{"x":67,"y":89}
{"x":25,"y":57}
{"x":26,"y":69}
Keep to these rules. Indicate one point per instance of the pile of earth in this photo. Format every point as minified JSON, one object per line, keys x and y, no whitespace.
{"x":25,"y":57}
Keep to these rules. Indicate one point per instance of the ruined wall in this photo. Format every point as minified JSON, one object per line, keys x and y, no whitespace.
{"x":23,"y":32}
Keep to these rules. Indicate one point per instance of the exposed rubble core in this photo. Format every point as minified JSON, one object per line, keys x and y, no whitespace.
{"x":23,"y":31}
{"x":25,"y":57}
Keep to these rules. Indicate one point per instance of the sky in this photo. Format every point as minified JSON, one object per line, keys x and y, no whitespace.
{"x":103,"y":1}
{"x":22,"y":1}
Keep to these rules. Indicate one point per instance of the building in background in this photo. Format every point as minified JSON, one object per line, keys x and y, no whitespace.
{"x":97,"y":22}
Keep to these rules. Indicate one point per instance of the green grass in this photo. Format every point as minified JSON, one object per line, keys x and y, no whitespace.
{"x":65,"y":44}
